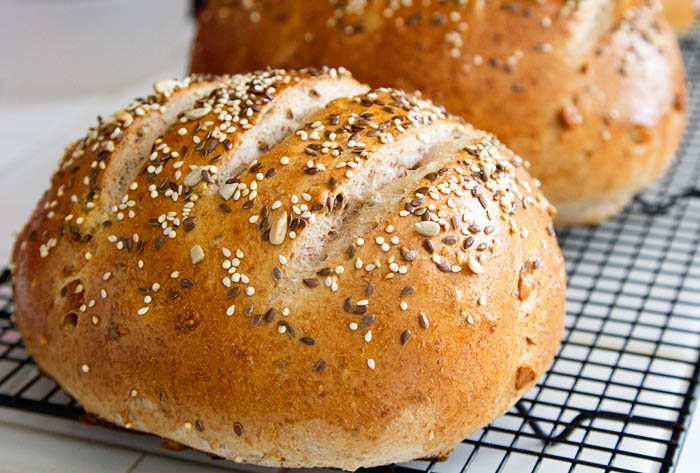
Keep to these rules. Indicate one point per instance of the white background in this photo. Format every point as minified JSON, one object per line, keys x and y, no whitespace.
{"x":61,"y":63}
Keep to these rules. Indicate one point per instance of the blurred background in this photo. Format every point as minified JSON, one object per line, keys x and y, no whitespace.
{"x":57,"y":48}
{"x":61,"y":63}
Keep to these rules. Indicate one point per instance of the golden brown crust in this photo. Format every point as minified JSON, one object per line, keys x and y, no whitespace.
{"x":206,"y":338}
{"x":681,"y":14}
{"x":590,"y":92}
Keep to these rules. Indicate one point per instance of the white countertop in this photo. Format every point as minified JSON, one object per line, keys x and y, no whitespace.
{"x":50,"y":99}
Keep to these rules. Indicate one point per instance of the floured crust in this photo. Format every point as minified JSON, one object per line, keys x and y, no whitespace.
{"x":193,"y":309}
{"x":591,"y":93}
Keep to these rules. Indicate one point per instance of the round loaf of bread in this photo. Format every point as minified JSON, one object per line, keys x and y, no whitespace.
{"x":290,"y":269}
{"x":591,"y":92}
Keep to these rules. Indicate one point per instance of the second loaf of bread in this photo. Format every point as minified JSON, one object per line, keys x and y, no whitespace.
{"x":591,"y":92}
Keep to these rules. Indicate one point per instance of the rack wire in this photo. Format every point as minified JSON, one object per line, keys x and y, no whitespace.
{"x":621,"y":389}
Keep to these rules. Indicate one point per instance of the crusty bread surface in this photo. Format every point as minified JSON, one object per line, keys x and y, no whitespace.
{"x":290,"y":269}
{"x":591,"y":93}
{"x":681,"y":14}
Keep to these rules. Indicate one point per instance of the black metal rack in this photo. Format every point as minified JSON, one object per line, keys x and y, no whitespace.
{"x":620,"y":392}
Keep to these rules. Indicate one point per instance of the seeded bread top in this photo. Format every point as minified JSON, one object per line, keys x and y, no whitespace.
{"x":284,"y":267}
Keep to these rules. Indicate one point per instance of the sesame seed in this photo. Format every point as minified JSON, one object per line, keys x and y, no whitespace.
{"x":368,"y":336}
{"x":449,"y":240}
{"x":370,"y":363}
{"x":360,"y":309}
{"x":407,"y":291}
{"x":423,"y":321}
{"x":238,"y":429}
{"x":405,"y":336}
{"x":409,"y":255}
{"x":443,"y":267}
{"x":85,"y":368}
{"x":403,"y":305}
{"x":198,"y":425}
{"x":142,"y":310}
{"x":231,"y":309}
{"x":311,"y":282}
{"x":250,"y":290}
{"x":186,"y":283}
{"x":367,"y":320}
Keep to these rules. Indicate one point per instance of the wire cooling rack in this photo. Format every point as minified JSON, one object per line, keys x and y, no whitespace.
{"x":620,"y":392}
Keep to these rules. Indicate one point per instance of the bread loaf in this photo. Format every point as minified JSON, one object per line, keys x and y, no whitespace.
{"x":290,"y":269}
{"x":590,"y":92}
